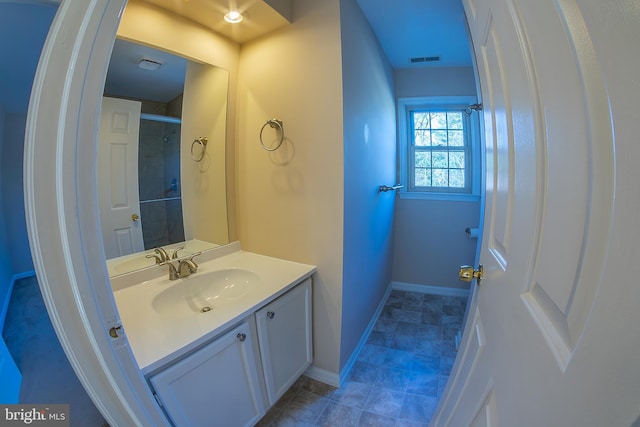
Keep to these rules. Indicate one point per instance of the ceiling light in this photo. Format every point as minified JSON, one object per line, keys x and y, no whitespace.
{"x":233,"y":17}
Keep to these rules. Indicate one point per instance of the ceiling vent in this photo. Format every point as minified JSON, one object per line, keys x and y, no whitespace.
{"x":149,"y":64}
{"x":419,"y":59}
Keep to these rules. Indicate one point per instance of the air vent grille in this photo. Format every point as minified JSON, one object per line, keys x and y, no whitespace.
{"x":419,"y":59}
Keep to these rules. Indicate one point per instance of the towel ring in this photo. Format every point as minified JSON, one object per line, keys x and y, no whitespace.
{"x":202,"y":142}
{"x":274,"y":123}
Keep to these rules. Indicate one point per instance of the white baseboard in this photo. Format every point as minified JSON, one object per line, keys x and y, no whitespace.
{"x":323,"y":376}
{"x":430,"y":289}
{"x":344,"y":372}
{"x":5,"y":304}
{"x":334,"y":379}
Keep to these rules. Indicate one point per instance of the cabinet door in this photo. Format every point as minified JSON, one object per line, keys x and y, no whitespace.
{"x":217,"y":385}
{"x":284,"y":334}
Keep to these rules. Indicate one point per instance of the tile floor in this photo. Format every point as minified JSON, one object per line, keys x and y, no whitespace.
{"x":397,"y":378}
{"x":47,"y":376}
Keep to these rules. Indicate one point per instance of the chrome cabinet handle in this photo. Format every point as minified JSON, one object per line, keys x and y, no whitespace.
{"x":241,"y":337}
{"x":270,"y":314}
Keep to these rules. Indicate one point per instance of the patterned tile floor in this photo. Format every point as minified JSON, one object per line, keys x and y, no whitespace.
{"x":397,"y":378}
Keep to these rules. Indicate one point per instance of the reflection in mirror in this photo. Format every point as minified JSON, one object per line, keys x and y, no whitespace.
{"x":140,"y":166}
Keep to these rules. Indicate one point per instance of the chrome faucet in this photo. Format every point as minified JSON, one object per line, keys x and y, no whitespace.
{"x":186,"y":267}
{"x":162,"y":255}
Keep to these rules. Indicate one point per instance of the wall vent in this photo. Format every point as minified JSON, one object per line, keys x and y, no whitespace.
{"x":419,"y":59}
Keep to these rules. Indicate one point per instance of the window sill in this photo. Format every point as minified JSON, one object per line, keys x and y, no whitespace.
{"x":449,"y":197}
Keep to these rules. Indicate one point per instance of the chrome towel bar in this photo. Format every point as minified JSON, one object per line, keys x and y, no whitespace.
{"x":385,"y":188}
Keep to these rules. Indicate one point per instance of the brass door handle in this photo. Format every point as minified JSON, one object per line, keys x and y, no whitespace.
{"x":468,"y":273}
{"x":135,"y":217}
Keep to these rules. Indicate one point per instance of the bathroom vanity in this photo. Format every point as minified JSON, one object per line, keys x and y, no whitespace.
{"x":221,"y":346}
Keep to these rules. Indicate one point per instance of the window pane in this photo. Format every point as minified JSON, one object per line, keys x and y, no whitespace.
{"x":456,"y":178}
{"x":456,"y":159}
{"x":439,"y":120}
{"x":440,"y":159}
{"x":422,"y":138}
{"x":439,"y":137}
{"x":456,"y":138}
{"x":454,"y":120}
{"x":423,"y":159}
{"x":422,"y":177}
{"x":438,"y":149}
{"x":421,"y":120}
{"x":440,"y":178}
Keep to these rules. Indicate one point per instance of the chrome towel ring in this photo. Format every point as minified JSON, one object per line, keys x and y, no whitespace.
{"x":202,"y":142}
{"x":275,"y":124}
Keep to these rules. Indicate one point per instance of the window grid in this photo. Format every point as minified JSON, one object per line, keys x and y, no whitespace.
{"x":439,"y":150}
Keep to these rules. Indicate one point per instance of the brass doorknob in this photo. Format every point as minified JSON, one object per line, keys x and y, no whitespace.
{"x":467,"y":273}
{"x":135,"y":217}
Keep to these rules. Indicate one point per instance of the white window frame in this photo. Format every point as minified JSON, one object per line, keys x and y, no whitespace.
{"x":405,"y":105}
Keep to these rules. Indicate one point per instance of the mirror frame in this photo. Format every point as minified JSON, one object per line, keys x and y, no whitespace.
{"x":62,"y":211}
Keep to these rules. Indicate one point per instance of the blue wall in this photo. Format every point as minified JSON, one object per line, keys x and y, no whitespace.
{"x":369,"y":161}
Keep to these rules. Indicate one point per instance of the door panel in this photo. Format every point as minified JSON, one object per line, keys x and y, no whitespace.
{"x":500,"y":150}
{"x":118,"y":177}
{"x":550,"y":189}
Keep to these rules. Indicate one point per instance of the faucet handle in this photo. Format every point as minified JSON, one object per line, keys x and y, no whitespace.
{"x":162,"y":254}
{"x":174,"y":254}
{"x":158,"y":260}
{"x":193,"y":256}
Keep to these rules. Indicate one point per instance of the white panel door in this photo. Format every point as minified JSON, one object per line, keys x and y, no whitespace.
{"x":551,"y":340}
{"x":118,"y":177}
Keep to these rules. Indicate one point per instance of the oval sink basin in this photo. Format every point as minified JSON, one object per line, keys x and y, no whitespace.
{"x":201,"y":292}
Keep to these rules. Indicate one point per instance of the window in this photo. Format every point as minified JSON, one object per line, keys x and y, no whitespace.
{"x":437,"y":148}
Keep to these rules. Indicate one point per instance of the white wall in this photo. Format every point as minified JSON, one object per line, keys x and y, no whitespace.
{"x":6,"y":271}
{"x":290,"y":201}
{"x":430,"y":240}
{"x":13,"y":193}
{"x":22,"y":45}
{"x":434,"y":81}
{"x":369,"y":161}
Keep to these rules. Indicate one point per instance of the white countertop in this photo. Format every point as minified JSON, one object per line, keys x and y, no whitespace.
{"x":156,"y":339}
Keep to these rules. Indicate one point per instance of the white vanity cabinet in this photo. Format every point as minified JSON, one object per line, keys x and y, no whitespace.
{"x":217,"y":385}
{"x":285,"y":339}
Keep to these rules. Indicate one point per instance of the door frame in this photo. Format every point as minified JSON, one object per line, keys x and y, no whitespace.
{"x":62,"y":211}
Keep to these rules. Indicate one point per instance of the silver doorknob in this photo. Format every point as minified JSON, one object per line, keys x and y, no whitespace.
{"x":241,"y":337}
{"x":270,"y":314}
{"x":135,"y":217}
{"x":468,"y":273}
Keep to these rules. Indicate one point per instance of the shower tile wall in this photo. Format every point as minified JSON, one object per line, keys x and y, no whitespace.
{"x":159,"y":179}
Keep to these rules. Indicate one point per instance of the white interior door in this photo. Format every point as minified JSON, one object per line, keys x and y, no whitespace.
{"x":551,"y":340}
{"x":118,"y":177}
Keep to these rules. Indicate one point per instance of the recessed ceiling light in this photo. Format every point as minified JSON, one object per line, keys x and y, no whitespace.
{"x":233,"y":17}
